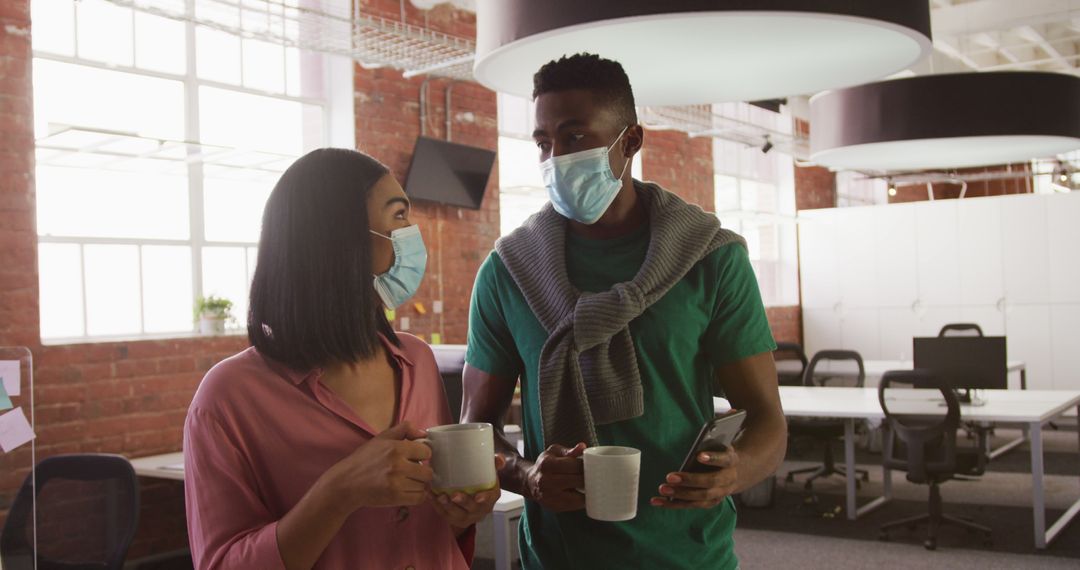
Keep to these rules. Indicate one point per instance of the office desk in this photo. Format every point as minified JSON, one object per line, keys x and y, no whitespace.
{"x":875,"y":369}
{"x":507,"y":508}
{"x":1033,"y":408}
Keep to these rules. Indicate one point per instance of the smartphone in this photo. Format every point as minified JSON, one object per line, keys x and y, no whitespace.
{"x":716,"y":435}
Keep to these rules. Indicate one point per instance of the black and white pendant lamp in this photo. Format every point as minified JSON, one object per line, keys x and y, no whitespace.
{"x":680,"y":52}
{"x":946,"y":121}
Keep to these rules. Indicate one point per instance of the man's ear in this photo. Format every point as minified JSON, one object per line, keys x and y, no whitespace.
{"x":635,"y":138}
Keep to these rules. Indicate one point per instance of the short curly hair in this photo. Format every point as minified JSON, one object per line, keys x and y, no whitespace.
{"x":604,"y":77}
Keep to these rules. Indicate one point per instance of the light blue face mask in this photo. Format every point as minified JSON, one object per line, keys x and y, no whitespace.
{"x":581,"y":185}
{"x":410,"y":258}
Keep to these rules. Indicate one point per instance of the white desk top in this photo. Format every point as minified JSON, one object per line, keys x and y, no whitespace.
{"x":171,"y":466}
{"x":1020,"y":406}
{"x":873,"y":368}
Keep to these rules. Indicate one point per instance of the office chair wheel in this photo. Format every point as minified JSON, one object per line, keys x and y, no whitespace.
{"x":930,"y":544}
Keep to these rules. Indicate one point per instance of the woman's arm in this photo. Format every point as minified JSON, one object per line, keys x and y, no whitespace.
{"x":229,"y":525}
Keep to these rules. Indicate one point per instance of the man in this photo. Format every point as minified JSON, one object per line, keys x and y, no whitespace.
{"x":619,"y":306}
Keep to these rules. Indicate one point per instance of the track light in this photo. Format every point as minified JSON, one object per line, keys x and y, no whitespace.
{"x":765,"y":148}
{"x":892,"y":188}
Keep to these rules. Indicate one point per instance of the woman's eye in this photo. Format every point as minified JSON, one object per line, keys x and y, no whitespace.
{"x":576,"y":137}
{"x":401,"y":215}
{"x":543,"y":145}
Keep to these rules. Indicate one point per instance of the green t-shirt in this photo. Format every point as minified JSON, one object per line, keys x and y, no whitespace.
{"x":712,"y":316}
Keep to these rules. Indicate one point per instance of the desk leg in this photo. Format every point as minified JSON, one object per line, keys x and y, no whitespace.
{"x":1038,"y":500}
{"x":849,"y":463}
{"x":501,"y":534}
{"x":1023,"y":378}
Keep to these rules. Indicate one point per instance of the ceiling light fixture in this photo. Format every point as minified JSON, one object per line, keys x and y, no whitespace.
{"x":946,"y":121}
{"x":682,"y":52}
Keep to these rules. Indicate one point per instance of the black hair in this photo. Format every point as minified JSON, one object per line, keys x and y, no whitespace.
{"x":603,"y":77}
{"x":313,"y":301}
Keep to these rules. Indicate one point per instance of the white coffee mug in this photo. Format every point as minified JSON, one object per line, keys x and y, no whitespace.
{"x":462,"y":457}
{"x":611,"y":482}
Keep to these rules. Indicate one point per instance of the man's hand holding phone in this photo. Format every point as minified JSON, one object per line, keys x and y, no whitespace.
{"x":710,"y":471}
{"x":701,"y":490}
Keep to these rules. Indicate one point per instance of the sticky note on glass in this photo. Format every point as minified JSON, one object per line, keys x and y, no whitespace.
{"x":9,"y":371}
{"x":390,"y":314}
{"x":420,"y":308}
{"x":436,"y":338}
{"x":5,"y":401}
{"x":14,"y":430}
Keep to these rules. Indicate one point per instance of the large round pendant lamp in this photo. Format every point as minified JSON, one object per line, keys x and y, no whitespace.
{"x":946,"y":121}
{"x":680,"y":52}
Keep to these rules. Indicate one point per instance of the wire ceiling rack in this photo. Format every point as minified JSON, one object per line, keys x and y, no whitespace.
{"x":327,"y":26}
{"x":704,"y":121}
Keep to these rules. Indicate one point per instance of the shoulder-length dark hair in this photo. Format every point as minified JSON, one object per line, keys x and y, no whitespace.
{"x":313,"y":301}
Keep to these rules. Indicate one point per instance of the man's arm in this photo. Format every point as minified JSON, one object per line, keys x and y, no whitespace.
{"x":750,"y":384}
{"x":557,"y":474}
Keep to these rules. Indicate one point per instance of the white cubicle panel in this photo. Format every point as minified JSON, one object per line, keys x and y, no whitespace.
{"x":979,"y":252}
{"x":937,"y":236}
{"x":1065,"y":344}
{"x":874,"y":277}
{"x":895,"y":253}
{"x":1025,"y":250}
{"x":1028,"y":329}
{"x":1064,"y":235}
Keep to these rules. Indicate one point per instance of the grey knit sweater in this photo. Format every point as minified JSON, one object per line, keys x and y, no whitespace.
{"x":588,"y":370}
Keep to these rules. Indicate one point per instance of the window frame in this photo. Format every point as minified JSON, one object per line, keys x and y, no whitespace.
{"x":330,"y":105}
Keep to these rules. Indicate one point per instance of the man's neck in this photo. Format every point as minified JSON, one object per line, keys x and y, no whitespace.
{"x":625,"y":215}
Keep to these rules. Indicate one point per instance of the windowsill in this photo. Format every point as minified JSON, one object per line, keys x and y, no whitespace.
{"x":141,"y":337}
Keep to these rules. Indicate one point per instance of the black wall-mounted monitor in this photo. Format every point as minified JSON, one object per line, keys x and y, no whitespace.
{"x":449,"y":173}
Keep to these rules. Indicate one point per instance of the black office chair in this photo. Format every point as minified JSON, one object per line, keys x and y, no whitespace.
{"x":962,"y":328}
{"x":87,"y":510}
{"x":826,"y":430}
{"x":925,"y":447}
{"x":790,"y":351}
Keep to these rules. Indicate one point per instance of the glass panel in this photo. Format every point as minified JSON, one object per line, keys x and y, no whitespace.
{"x":60,"y":283}
{"x":515,"y":116}
{"x":112,"y":289}
{"x":748,"y":195}
{"x":516,"y":206}
{"x":103,"y":203}
{"x":292,"y":71}
{"x":264,"y":66}
{"x":54,"y":26}
{"x":76,"y":95}
{"x":252,"y":261}
{"x":167,"y":296}
{"x":233,"y":209}
{"x":241,"y":120}
{"x":519,"y":164}
{"x":217,"y":55}
{"x":159,"y":43}
{"x":225,"y":275}
{"x":727,"y":193}
{"x":105,"y":32}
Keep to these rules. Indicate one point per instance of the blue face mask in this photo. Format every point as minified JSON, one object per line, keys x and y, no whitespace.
{"x":410,"y":258}
{"x":581,"y":185}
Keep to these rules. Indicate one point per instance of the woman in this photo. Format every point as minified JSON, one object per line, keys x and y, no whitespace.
{"x":298,"y":452}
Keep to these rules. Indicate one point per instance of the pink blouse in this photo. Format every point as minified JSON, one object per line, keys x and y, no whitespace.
{"x":258,"y":435}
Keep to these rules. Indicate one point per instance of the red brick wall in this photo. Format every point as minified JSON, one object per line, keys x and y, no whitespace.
{"x":815,"y":186}
{"x":387,"y":124}
{"x":786,"y":323}
{"x":681,"y":164}
{"x":1021,"y":184}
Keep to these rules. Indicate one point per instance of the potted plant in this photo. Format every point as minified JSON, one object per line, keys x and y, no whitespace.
{"x":212,"y":312}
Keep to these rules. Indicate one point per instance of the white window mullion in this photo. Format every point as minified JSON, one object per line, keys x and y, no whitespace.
{"x":82,"y":289}
{"x":142,"y":294}
{"x":195,"y":168}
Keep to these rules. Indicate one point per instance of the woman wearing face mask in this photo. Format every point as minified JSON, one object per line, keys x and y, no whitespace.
{"x":299,"y":451}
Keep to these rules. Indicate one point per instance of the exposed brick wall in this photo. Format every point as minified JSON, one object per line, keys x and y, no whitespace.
{"x":1021,"y":184}
{"x":815,"y":186}
{"x":786,"y":323}
{"x":681,"y":164}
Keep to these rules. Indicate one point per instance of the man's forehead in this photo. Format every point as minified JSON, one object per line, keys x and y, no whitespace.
{"x":579,"y":105}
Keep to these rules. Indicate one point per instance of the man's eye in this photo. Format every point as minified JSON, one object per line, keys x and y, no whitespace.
{"x":543,"y":145}
{"x":576,"y":137}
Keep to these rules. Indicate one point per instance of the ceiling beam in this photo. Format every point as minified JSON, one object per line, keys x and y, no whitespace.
{"x":946,"y":47}
{"x":985,"y":39}
{"x":994,"y":15}
{"x":1032,"y":35}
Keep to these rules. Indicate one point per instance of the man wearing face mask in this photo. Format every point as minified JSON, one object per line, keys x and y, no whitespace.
{"x":620,"y":307}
